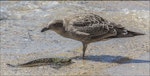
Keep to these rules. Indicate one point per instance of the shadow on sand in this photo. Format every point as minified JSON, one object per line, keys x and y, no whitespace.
{"x":112,"y":59}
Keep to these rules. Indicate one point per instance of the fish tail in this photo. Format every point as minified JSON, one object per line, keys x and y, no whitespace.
{"x":11,"y":65}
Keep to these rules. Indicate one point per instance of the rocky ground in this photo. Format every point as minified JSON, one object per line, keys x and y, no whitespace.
{"x":22,"y":41}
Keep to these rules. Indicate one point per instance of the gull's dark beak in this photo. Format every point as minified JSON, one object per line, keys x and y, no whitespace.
{"x":44,"y":29}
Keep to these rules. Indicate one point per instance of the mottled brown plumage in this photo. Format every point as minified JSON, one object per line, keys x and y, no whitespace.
{"x":87,"y":28}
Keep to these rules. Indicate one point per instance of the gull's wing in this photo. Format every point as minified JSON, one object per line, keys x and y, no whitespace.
{"x":89,"y":25}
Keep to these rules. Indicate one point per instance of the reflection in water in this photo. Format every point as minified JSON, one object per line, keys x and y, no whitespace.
{"x":112,"y":59}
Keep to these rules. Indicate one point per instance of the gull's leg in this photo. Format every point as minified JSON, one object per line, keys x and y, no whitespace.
{"x":84,"y":49}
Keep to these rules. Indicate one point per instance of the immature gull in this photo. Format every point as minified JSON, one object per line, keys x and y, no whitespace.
{"x":87,"y":28}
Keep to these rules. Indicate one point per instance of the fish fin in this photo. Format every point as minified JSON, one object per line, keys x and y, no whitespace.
{"x":56,"y":66}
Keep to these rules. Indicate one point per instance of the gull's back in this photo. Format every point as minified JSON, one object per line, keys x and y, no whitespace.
{"x":87,"y":25}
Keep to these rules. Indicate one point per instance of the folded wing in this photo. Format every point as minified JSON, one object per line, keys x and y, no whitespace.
{"x":89,"y":25}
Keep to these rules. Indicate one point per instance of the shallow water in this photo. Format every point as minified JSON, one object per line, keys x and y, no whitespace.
{"x":21,"y":39}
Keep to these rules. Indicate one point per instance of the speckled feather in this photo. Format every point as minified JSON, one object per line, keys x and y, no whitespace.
{"x":87,"y":23}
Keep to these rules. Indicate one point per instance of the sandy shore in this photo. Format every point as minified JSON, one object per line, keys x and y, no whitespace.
{"x":22,"y":41}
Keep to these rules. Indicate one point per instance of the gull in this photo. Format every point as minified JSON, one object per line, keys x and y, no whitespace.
{"x":88,"y":28}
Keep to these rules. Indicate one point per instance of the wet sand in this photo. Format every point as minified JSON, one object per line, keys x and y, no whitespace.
{"x":22,"y":41}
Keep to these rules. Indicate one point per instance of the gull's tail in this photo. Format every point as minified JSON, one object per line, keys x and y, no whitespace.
{"x":122,"y":32}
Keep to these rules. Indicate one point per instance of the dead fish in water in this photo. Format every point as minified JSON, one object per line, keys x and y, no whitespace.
{"x":53,"y":62}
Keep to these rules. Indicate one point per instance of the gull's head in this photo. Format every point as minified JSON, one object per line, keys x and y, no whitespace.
{"x":53,"y":25}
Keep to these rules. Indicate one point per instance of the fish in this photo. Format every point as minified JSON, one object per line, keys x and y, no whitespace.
{"x":55,"y":63}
